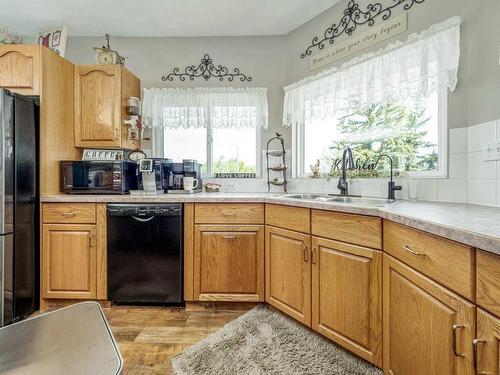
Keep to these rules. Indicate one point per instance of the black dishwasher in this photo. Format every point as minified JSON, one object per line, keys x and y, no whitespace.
{"x":145,"y":253}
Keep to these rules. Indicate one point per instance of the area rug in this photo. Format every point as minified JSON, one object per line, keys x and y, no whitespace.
{"x":263,"y":341}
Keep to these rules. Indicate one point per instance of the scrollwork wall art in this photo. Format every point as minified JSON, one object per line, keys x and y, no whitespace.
{"x":206,"y":70}
{"x":354,"y":17}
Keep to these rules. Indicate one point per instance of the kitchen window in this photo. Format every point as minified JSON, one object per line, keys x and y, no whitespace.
{"x":392,"y":102}
{"x":412,"y":131}
{"x":218,"y":127}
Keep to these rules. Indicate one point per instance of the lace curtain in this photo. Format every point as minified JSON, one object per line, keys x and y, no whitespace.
{"x":195,"y":107}
{"x":400,"y":70}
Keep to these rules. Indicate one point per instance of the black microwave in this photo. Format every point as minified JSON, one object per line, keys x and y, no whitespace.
{"x":98,"y":177}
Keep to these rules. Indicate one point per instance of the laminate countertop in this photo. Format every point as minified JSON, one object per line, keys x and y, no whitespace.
{"x":473,"y":225}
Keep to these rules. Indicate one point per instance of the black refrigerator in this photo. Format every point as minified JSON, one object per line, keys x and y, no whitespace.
{"x":19,"y":206}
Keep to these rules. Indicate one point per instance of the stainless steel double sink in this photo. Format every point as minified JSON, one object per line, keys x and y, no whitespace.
{"x":348,"y":200}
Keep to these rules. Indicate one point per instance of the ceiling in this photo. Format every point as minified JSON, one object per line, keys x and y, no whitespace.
{"x":160,"y":17}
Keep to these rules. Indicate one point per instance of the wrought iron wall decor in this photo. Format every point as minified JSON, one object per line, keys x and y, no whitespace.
{"x":354,"y":17}
{"x":206,"y":70}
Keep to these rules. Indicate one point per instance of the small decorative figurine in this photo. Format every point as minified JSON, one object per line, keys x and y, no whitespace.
{"x":315,"y":169}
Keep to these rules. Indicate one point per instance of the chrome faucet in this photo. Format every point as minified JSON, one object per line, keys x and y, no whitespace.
{"x":391,"y":186}
{"x":347,"y":164}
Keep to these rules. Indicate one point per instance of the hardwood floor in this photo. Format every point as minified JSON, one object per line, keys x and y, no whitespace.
{"x":149,"y":336}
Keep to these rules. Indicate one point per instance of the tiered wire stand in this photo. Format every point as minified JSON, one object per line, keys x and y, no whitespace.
{"x":274,"y":169}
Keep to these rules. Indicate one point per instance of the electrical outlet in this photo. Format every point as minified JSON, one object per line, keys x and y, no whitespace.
{"x":491,"y":150}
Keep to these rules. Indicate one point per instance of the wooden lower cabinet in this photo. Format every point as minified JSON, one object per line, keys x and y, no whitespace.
{"x":428,"y":329}
{"x":347,"y":296}
{"x":229,"y":263}
{"x":487,"y":344}
{"x":288,"y":273}
{"x":69,"y":261}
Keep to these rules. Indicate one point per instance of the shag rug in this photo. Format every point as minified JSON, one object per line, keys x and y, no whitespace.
{"x":263,"y":341}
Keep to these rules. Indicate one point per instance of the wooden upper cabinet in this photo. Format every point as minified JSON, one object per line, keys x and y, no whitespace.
{"x":229,"y":263}
{"x":101,"y":92}
{"x":288,"y":273}
{"x":20,"y":68}
{"x":69,"y":261}
{"x":428,"y":329}
{"x":487,"y":344}
{"x":347,"y":296}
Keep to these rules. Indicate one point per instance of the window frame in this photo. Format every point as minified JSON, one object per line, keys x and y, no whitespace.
{"x":209,"y":149}
{"x":298,"y":146}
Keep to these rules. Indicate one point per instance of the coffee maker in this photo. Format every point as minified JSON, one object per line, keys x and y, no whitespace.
{"x":177,"y":172}
{"x":154,"y":175}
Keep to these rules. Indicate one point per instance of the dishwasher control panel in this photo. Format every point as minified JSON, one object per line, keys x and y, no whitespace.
{"x":145,"y":210}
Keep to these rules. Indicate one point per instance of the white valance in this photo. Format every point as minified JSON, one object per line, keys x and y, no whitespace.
{"x":201,"y":107}
{"x":398,"y":71}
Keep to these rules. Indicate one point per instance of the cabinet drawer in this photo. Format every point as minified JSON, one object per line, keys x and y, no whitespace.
{"x":292,"y":218}
{"x":350,"y":228}
{"x":64,"y":213}
{"x":447,"y":262}
{"x":488,"y":281}
{"x":221,"y":213}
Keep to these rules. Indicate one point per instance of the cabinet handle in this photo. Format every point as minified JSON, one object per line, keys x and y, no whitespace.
{"x":304,"y":254}
{"x":68,"y":214}
{"x":314,"y":256}
{"x":391,"y":372}
{"x":475,"y":343}
{"x":454,"y":329}
{"x":91,"y":240}
{"x":227,"y":213}
{"x":411,"y":251}
{"x":228,"y":237}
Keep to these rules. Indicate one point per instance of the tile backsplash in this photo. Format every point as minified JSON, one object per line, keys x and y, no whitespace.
{"x":470,"y":179}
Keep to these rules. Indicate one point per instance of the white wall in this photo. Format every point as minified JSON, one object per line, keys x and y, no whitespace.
{"x":274,"y":62}
{"x":262,"y":58}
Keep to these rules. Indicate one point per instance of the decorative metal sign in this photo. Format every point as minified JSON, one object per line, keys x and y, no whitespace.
{"x":358,"y":42}
{"x":354,"y":17}
{"x":206,"y":70}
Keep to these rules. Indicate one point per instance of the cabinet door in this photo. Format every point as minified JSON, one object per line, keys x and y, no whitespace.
{"x":97,"y":106}
{"x":347,"y":296}
{"x":288,"y":273}
{"x":69,"y":261}
{"x":427,"y":328}
{"x":487,"y":345}
{"x":20,"y":69}
{"x":131,"y":86}
{"x":229,"y":263}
